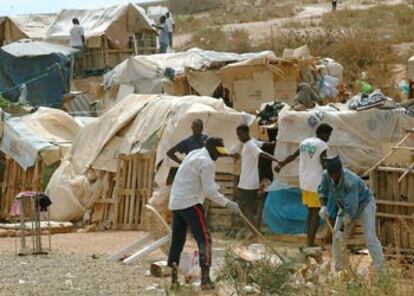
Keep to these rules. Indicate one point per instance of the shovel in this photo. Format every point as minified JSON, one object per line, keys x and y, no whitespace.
{"x":261,"y":236}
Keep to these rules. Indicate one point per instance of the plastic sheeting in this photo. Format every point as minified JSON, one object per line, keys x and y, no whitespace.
{"x":411,"y":68}
{"x":30,"y":48}
{"x":47,"y":132}
{"x":357,"y":135}
{"x":136,"y":124}
{"x":114,"y":22}
{"x":284,"y":212}
{"x":146,"y":73}
{"x":46,"y":78}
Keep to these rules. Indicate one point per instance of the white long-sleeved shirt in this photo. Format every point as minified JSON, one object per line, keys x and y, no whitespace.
{"x":194,"y":182}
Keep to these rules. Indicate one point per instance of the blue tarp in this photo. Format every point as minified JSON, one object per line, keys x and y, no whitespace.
{"x":284,"y":212}
{"x":46,"y":77}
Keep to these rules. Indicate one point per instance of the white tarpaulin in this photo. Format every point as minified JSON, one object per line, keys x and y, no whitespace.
{"x":136,"y":124}
{"x":357,"y":135}
{"x":30,"y":48}
{"x":114,"y":22}
{"x":47,"y":132}
{"x":146,"y":73}
{"x":34,"y":26}
{"x":411,"y":68}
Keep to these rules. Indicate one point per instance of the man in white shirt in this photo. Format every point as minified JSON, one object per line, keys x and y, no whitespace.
{"x":193,"y":183}
{"x":311,"y":152}
{"x":171,"y":27}
{"x":77,"y":35}
{"x":249,"y":182}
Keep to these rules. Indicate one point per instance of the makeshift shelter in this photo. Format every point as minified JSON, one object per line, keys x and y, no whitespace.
{"x":112,"y":34}
{"x":361,"y":138}
{"x":32,"y":145}
{"x":183,"y":73}
{"x":43,"y":68}
{"x":254,"y":82}
{"x":33,"y":26}
{"x":113,"y":172}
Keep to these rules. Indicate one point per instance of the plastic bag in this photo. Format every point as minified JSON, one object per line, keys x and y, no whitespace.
{"x":327,"y":87}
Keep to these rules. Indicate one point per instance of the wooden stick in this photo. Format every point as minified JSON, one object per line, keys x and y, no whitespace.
{"x":386,"y":155}
{"x":259,"y":235}
{"x":407,"y":171}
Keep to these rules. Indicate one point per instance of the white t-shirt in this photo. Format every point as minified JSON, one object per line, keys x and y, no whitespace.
{"x":76,"y":33}
{"x":249,"y":176}
{"x":170,"y":23}
{"x":310,"y":167}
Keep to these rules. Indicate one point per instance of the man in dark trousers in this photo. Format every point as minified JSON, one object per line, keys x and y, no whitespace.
{"x":196,"y":141}
{"x":249,"y":182}
{"x":193,"y":183}
{"x":311,"y":152}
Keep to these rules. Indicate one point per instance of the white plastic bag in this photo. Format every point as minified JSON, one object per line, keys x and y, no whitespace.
{"x":327,"y":86}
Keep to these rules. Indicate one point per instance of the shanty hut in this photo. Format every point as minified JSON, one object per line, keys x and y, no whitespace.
{"x":116,"y":160}
{"x":112,"y":34}
{"x":31,"y":147}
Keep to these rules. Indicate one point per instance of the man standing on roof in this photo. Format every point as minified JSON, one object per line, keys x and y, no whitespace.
{"x":77,"y":35}
{"x":164,"y":39}
{"x":311,"y":152}
{"x":196,"y":141}
{"x":354,"y":200}
{"x":77,"y":40}
{"x":193,"y":183}
{"x":171,"y":27}
{"x":249,"y":182}
{"x":334,"y":3}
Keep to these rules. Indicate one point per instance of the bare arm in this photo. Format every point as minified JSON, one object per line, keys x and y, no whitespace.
{"x":268,"y":156}
{"x":323,"y":156}
{"x":171,"y":154}
{"x":288,"y":160}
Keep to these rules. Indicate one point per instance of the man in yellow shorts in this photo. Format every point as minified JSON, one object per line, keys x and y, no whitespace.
{"x":311,"y":152}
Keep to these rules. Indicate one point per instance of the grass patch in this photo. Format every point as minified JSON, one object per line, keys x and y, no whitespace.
{"x":396,"y":23}
{"x":233,"y":12}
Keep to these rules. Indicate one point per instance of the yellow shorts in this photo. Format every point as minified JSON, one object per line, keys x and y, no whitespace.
{"x":310,"y":199}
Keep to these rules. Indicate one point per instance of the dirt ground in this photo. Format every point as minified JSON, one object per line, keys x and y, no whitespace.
{"x":78,"y":265}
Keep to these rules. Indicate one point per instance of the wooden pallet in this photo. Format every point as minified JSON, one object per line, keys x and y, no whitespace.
{"x":220,"y":218}
{"x":134,"y":180}
{"x":125,"y":193}
{"x":395,"y":207}
{"x":16,"y":180}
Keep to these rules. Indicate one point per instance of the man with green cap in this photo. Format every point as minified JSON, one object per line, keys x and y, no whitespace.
{"x":354,"y":200}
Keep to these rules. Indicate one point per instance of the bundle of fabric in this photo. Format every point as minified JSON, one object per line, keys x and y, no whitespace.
{"x":365,"y":101}
{"x":270,"y":112}
{"x":307,"y":96}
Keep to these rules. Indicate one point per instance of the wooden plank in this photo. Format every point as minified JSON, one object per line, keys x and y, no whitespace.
{"x":147,"y":250}
{"x":130,"y":248}
{"x":396,"y":216}
{"x":395,"y":203}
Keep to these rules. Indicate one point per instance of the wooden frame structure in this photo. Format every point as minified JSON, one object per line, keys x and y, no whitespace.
{"x":393,"y":185}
